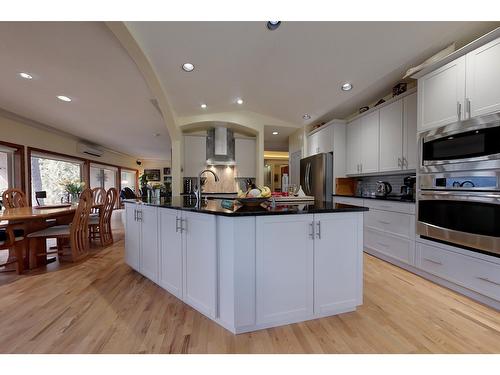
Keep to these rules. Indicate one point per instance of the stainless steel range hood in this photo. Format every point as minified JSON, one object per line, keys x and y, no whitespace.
{"x":220,"y":146}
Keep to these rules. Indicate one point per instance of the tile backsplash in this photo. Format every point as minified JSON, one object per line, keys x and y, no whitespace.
{"x":369,"y":183}
{"x":227,"y":183}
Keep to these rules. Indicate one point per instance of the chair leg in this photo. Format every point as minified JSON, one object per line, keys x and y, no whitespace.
{"x":19,"y":249}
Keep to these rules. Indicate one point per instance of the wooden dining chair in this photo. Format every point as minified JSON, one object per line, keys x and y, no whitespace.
{"x":8,"y":241}
{"x":100,"y":227}
{"x":14,"y":198}
{"x":76,"y":232}
{"x":99,"y":197}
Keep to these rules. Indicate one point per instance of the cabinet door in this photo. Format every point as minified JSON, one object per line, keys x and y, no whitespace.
{"x":132,"y":237}
{"x":200,"y":262}
{"x":325,"y":139}
{"x":245,"y":157}
{"x":170,"y":235}
{"x":370,"y":143}
{"x":149,"y":242}
{"x":410,"y":131}
{"x":483,"y":79}
{"x":391,"y":137}
{"x":353,"y":155}
{"x":195,"y":155}
{"x":441,"y":95}
{"x":336,"y":254}
{"x":312,"y":144}
{"x":284,"y":268}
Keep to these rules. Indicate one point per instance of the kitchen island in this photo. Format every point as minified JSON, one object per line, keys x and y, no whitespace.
{"x":250,"y":268}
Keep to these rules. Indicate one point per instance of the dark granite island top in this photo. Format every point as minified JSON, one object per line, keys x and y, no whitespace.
{"x":214,"y":207}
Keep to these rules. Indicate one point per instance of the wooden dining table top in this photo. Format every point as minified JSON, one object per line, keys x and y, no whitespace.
{"x":33,"y":213}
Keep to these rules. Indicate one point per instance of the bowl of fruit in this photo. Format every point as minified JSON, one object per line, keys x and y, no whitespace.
{"x":254,"y":196}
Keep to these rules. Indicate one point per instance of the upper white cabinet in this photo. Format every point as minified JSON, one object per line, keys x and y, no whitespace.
{"x":441,"y":95}
{"x":353,"y":154}
{"x":466,"y":87}
{"x":483,"y":79}
{"x":195,"y":155}
{"x":245,"y":151}
{"x":370,"y":142}
{"x":391,"y":136}
{"x":320,"y":141}
{"x":409,"y":132}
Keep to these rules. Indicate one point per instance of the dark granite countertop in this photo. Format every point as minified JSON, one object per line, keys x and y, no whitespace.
{"x":214,"y":207}
{"x":393,"y":198}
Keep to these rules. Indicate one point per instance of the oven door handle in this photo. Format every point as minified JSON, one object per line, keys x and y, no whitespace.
{"x":472,"y":194}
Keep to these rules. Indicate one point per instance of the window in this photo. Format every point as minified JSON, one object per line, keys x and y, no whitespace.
{"x":50,"y":173}
{"x":6,"y":168}
{"x":103,"y":176}
{"x":128,"y":179}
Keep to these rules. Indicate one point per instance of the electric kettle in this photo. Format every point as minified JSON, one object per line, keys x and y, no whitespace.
{"x":383,"y":189}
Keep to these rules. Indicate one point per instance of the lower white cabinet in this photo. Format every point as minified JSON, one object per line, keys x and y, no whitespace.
{"x":284,"y":268}
{"x":132,"y":238}
{"x":170,"y":251}
{"x":148,"y":217}
{"x":200,"y":262}
{"x":311,"y":265}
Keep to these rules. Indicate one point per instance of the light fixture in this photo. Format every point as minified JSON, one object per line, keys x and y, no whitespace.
{"x":187,"y":67}
{"x":156,"y":134}
{"x":307,"y":116}
{"x":203,"y":105}
{"x":346,"y":86}
{"x":25,"y":75}
{"x":273,"y":25}
{"x":239,"y":101}
{"x":275,"y":133}
{"x":64,"y":98}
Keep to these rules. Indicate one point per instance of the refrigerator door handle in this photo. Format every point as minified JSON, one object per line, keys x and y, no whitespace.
{"x":308,"y":178}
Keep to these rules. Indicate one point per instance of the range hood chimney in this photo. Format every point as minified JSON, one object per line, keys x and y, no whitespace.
{"x":220,"y":146}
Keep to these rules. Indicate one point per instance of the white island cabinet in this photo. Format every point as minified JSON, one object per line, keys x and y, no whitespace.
{"x":249,"y":272}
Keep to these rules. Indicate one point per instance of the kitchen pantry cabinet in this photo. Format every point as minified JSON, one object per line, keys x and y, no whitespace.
{"x":141,"y":250}
{"x":245,"y":151}
{"x":195,"y":155}
{"x":310,"y":274}
{"x":464,"y":88}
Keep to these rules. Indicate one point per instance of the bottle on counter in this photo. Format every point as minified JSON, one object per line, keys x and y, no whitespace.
{"x":284,"y":183}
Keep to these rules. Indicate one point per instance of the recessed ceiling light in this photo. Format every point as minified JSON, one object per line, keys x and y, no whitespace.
{"x":25,"y":75}
{"x":187,"y":67}
{"x":346,"y":86}
{"x":64,"y":98}
{"x":156,"y":134}
{"x":275,"y":133}
{"x":239,"y":101}
{"x":273,"y":25}
{"x":203,"y":106}
{"x":307,"y":116}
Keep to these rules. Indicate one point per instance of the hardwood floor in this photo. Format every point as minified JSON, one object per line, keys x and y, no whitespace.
{"x":101,"y":306}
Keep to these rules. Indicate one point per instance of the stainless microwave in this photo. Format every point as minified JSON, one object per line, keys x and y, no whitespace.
{"x":467,"y":145}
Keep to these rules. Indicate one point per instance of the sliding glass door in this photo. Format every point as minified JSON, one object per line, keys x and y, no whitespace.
{"x":128,"y":179}
{"x":51,"y":173}
{"x":103,"y":176}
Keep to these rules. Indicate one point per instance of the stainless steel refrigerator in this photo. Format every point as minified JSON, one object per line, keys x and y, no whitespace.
{"x":316,"y":176}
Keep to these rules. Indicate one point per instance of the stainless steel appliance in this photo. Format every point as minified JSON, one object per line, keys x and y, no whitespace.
{"x":383,"y":189}
{"x":408,"y":187}
{"x":458,"y":201}
{"x":316,"y":176}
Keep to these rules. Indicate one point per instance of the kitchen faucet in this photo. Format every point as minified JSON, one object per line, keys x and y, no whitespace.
{"x":198,"y":189}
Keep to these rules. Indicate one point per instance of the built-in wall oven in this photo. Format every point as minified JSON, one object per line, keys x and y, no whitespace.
{"x":458,"y":200}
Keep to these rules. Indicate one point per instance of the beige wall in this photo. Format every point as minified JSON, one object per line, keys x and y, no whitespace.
{"x":155,"y":164}
{"x":20,"y":132}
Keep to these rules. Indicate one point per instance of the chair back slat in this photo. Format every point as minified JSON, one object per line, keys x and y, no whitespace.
{"x":98,"y":196}
{"x":14,"y":198}
{"x":105,"y":218}
{"x":79,"y":226}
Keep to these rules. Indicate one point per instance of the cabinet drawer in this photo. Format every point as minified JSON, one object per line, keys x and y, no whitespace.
{"x":397,"y":248}
{"x":348,"y":200}
{"x":377,"y":204}
{"x":391,"y":222}
{"x":469,"y":272}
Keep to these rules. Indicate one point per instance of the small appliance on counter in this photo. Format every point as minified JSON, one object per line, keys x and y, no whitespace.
{"x":408,"y":188}
{"x":383,"y":189}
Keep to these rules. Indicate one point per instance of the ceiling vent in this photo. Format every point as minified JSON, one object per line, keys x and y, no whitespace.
{"x":91,"y":150}
{"x":220,"y":146}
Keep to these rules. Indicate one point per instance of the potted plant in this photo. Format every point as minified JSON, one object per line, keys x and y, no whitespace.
{"x":143,"y":180}
{"x":73,"y":189}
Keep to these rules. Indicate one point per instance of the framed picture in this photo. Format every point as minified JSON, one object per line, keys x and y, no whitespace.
{"x":166,"y":171}
{"x":152,"y":174}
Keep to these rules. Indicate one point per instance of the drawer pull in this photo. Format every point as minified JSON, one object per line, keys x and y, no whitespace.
{"x":383,"y":222}
{"x":382,"y":244}
{"x":487,"y":280}
{"x":433,"y":261}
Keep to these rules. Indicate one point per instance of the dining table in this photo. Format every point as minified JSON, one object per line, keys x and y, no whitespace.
{"x":34,"y":218}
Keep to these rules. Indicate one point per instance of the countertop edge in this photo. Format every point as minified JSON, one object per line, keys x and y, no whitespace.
{"x":390,"y":199}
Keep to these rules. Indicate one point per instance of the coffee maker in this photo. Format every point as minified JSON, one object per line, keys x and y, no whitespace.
{"x":408,"y":188}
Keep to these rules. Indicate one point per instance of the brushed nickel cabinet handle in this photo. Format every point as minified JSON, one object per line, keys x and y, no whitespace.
{"x":468,"y":108}
{"x":459,"y":110}
{"x":311,"y":230}
{"x":399,"y":163}
{"x":318,"y":227}
{"x":433,"y":261}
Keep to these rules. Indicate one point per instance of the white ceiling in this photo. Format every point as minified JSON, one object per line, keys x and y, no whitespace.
{"x":277,"y":142}
{"x":83,"y":60}
{"x":294,"y":70}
